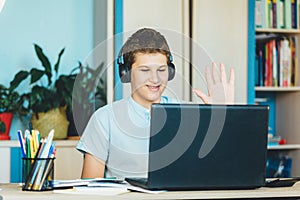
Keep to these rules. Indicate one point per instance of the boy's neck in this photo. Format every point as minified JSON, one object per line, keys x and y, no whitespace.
{"x":146,"y":104}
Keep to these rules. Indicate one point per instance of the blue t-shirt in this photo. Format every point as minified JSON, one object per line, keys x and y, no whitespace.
{"x":118,"y":134}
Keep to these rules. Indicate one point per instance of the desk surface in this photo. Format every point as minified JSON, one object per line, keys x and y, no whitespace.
{"x":13,"y":191}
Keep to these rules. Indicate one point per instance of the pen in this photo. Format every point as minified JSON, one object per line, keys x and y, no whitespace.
{"x":27,"y":148}
{"x":21,"y":140}
{"x":35,"y":142}
{"x":38,"y":136}
{"x":46,"y":173}
{"x":47,"y":145}
{"x":31,"y":147}
{"x":37,"y":153}
{"x":30,"y":174}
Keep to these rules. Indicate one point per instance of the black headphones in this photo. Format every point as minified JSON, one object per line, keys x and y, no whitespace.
{"x":124,"y":69}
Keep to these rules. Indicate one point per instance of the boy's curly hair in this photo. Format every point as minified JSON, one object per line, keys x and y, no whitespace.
{"x":145,"y":40}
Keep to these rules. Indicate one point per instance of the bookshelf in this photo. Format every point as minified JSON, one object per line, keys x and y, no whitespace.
{"x":285,"y":147}
{"x":278,"y":89}
{"x":274,"y":30}
{"x":283,"y":99}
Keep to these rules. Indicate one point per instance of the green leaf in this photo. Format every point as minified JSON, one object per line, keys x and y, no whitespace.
{"x":76,"y":68}
{"x":56,"y":66}
{"x":2,"y":127}
{"x":19,"y":77}
{"x":36,"y":74}
{"x":45,"y":62}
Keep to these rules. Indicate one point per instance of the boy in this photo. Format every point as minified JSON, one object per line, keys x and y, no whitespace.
{"x":116,"y":140}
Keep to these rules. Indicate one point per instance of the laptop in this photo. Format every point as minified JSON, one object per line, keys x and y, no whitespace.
{"x":196,"y":146}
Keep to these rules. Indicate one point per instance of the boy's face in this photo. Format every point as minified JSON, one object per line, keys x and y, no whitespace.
{"x":149,"y":77}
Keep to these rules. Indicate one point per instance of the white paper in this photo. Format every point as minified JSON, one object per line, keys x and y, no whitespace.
{"x":124,"y":185}
{"x":101,"y":191}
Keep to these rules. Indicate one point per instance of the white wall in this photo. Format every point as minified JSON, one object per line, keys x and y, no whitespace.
{"x":219,"y":30}
{"x":170,"y":17}
{"x":221,"y":27}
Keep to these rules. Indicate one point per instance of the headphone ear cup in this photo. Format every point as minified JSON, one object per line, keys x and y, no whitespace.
{"x":171,"y":69}
{"x":124,"y":73}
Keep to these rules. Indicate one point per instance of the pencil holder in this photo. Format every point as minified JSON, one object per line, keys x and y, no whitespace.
{"x":37,"y":174}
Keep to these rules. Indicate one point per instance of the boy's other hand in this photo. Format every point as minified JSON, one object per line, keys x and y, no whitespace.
{"x":220,"y":91}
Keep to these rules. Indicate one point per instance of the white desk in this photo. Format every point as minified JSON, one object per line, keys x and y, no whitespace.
{"x":14,"y":192}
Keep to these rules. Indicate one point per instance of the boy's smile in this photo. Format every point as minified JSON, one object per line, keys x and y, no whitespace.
{"x":149,"y":77}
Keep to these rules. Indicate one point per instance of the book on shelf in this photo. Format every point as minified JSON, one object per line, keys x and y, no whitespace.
{"x":277,"y":14}
{"x":260,"y":14}
{"x":278,"y":166}
{"x":285,"y":63}
{"x":287,"y":14}
{"x":274,"y":13}
{"x":276,"y":61}
{"x":280,"y":14}
{"x":268,"y":99}
{"x":294,"y":10}
{"x":294,"y":63}
{"x":274,"y":140}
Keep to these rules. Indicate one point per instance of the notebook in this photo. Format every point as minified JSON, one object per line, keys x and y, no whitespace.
{"x":195,"y":146}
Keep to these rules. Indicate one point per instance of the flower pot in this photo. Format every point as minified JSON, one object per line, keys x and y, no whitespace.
{"x":6,"y":118}
{"x":53,"y":119}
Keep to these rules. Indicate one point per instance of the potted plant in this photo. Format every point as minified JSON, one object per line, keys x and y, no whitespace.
{"x":51,"y":104}
{"x":48,"y":101}
{"x":11,"y":102}
{"x":89,"y":93}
